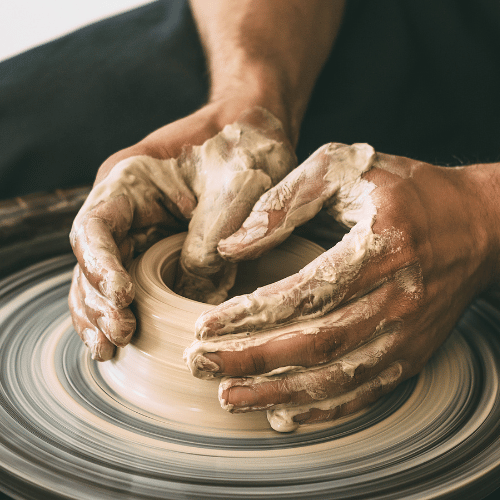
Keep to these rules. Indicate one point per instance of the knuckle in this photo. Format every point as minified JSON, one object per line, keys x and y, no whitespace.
{"x":396,"y":206}
{"x":322,"y":348}
{"x":410,"y":288}
{"x":116,"y":212}
{"x":255,"y":363}
{"x":401,"y":212}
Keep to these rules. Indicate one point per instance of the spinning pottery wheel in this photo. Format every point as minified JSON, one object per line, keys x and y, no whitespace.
{"x":73,"y":428}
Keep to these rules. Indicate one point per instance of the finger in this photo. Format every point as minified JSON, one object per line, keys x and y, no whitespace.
{"x":94,"y":239}
{"x":234,"y":169}
{"x":117,"y":324}
{"x":100,"y":347}
{"x":288,"y":419}
{"x":352,"y":268}
{"x":205,"y":276}
{"x":331,"y":176}
{"x":306,"y":386}
{"x":305,"y":344}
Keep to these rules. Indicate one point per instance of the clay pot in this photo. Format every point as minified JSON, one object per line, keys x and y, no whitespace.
{"x":150,"y":371}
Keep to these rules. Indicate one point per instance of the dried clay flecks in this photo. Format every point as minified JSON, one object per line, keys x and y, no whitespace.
{"x":334,"y":271}
{"x":230,"y":170}
{"x":150,"y":372}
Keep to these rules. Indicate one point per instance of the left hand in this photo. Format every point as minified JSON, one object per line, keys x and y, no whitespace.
{"x":199,"y":168}
{"x":368,"y":313}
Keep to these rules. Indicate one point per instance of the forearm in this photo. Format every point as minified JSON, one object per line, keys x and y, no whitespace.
{"x":269,"y":53}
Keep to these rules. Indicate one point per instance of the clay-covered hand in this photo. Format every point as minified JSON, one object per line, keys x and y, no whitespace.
{"x":368,"y":313}
{"x":150,"y":191}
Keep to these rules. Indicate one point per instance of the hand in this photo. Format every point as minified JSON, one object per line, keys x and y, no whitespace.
{"x":146,"y":192}
{"x":368,"y":313}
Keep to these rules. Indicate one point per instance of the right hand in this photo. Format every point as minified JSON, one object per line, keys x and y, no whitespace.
{"x":368,"y":313}
{"x":149,"y":191}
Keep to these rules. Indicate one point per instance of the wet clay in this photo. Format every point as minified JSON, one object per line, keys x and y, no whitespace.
{"x":215,"y":185}
{"x":333,"y":178}
{"x":150,"y":372}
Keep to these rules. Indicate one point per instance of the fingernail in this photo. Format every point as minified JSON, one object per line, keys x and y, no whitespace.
{"x":98,"y":351}
{"x":216,"y":362}
{"x":206,"y":363}
{"x":204,"y":327}
{"x":106,"y":352}
{"x":117,"y":332}
{"x":121,"y":341}
{"x":241,"y":244}
{"x":118,"y":289}
{"x":302,"y":417}
{"x":232,"y":244}
{"x":242,"y":397}
{"x":90,"y":339}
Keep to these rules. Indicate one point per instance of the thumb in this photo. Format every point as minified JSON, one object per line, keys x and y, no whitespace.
{"x":203,"y":274}
{"x":331,"y":177}
{"x":231,"y":171}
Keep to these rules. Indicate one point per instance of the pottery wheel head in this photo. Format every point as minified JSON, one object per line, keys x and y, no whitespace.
{"x":141,"y":427}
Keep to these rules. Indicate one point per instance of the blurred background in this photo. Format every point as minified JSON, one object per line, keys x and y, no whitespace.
{"x":27,"y":23}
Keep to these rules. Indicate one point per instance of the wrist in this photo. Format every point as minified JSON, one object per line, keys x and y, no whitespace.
{"x":267,"y":54}
{"x":484,"y":183}
{"x":246,"y":86}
